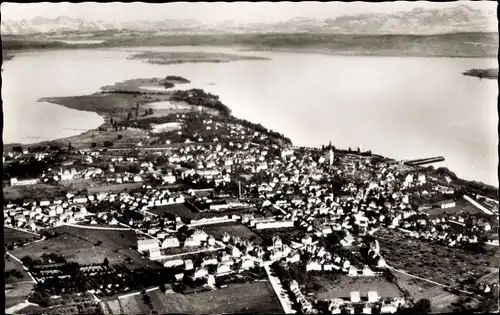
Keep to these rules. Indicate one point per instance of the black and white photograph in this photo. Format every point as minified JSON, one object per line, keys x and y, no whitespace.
{"x":250,"y":157}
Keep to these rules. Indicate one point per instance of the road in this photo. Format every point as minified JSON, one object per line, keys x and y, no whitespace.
{"x":24,"y":267}
{"x":427,"y":280}
{"x":279,"y":291}
{"x":90,"y":227}
{"x":191,"y":253}
{"x":477,"y":205}
{"x":21,"y":230}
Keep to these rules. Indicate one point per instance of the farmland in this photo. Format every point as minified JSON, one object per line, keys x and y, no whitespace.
{"x":441,"y":300}
{"x":37,"y":191}
{"x":233,"y":229}
{"x":12,"y":236}
{"x":435,"y":262}
{"x":286,"y":234}
{"x":180,"y":210}
{"x":116,"y":188}
{"x":257,"y":297}
{"x":87,"y":246}
{"x":187,"y":250}
{"x":462,"y":206}
{"x":342,"y":286}
{"x":12,"y":264}
{"x":17,"y":293}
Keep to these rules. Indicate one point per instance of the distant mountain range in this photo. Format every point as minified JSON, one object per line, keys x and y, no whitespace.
{"x":461,"y":18}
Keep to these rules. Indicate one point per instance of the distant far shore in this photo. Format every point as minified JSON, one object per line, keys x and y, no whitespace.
{"x":439,"y":45}
{"x":482,"y":73}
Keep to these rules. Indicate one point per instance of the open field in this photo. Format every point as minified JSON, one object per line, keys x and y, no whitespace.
{"x":11,"y":236}
{"x":80,"y":245}
{"x":187,"y":250}
{"x":286,"y":234}
{"x":11,"y":263}
{"x":233,"y":229}
{"x":136,"y":84}
{"x":462,"y":206}
{"x":38,"y":191}
{"x":17,"y":293}
{"x":442,"y":264}
{"x":180,"y":210}
{"x":342,"y":286}
{"x":418,"y":289}
{"x":129,"y":137}
{"x":115,"y":104}
{"x":115,"y":188}
{"x":257,"y":297}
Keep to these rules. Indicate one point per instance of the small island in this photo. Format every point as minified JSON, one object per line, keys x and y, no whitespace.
{"x":167,"y":58}
{"x":482,"y":73}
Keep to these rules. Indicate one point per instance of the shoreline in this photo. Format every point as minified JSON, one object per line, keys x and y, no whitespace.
{"x":106,"y":117}
{"x":321,"y":51}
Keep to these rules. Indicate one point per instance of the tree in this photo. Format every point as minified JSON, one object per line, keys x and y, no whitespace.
{"x":106,"y":261}
{"x":163,"y":288}
{"x":94,"y":144}
{"x":423,"y":306}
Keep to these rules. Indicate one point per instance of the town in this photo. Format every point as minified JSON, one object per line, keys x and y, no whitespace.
{"x":216,"y":205}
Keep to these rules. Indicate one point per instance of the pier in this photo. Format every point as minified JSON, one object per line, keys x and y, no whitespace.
{"x":420,"y":162}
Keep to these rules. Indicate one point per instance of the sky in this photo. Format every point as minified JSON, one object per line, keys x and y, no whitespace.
{"x":215,"y":12}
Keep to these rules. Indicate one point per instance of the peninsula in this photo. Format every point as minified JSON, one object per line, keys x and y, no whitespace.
{"x":173,"y":194}
{"x":482,"y":73}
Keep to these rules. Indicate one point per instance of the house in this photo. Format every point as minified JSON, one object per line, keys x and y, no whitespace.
{"x":388,"y":308}
{"x":44,"y":203}
{"x":223,"y":268}
{"x":58,"y":200}
{"x":209,"y":261}
{"x":154,"y":253}
{"x":200,"y":273}
{"x":170,"y":179}
{"x":247,"y":264}
{"x":144,"y":245}
{"x":274,"y":224}
{"x":173,"y":263}
{"x":23,"y":182}
{"x":447,"y":204}
{"x":353,"y":271}
{"x":200,"y":235}
{"x":293,"y":258}
{"x":137,"y":178}
{"x":235,"y":252}
{"x":188,"y":264}
{"x":307,"y":240}
{"x":169,"y":242}
{"x":192,"y":242}
{"x":355,"y":297}
{"x":80,"y":199}
{"x":347,"y":241}
{"x":367,"y":272}
{"x":313,"y":265}
{"x":373,"y":297}
{"x":179,"y":276}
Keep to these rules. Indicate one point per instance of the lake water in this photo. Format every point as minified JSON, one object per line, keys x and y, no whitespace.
{"x":401,"y":107}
